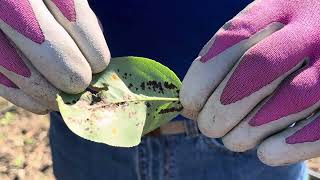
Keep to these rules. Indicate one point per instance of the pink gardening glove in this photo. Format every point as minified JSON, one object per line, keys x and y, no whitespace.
{"x":47,"y":46}
{"x":258,"y":75}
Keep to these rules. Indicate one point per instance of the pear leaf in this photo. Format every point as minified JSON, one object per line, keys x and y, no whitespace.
{"x":132,"y":97}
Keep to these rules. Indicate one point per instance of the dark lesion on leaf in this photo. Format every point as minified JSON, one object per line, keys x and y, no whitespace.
{"x":72,"y":102}
{"x":143,"y":86}
{"x":171,"y":110}
{"x":125,"y":76}
{"x":155,"y":86}
{"x":169,"y":85}
{"x":96,"y":90}
{"x":120,"y":103}
{"x":95,"y":98}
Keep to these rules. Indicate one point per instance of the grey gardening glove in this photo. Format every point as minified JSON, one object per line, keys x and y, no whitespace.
{"x":46,"y":47}
{"x":257,"y":76}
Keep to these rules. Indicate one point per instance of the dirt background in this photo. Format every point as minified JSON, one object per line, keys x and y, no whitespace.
{"x":24,"y":145}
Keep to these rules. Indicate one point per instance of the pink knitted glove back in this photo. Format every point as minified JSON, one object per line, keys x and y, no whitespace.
{"x":245,"y":26}
{"x":20,"y":16}
{"x":7,"y":82}
{"x":309,"y":133}
{"x":67,"y":8}
{"x":10,"y":59}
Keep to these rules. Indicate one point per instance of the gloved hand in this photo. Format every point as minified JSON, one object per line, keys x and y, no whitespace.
{"x":258,"y":75}
{"x":46,"y":47}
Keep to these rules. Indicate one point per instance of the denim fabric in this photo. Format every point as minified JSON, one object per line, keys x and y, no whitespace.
{"x":176,"y":157}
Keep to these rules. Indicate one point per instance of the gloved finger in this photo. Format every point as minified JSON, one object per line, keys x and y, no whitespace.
{"x":79,"y":20}
{"x":295,"y":99}
{"x":292,"y":145}
{"x":19,"y":70}
{"x":257,"y":75}
{"x":225,"y":48}
{"x":48,"y":46}
{"x":12,"y":93}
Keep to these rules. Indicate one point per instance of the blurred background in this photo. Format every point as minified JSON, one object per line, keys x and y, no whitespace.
{"x":24,"y":146}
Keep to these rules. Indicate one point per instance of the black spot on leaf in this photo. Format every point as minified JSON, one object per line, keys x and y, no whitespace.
{"x":95,"y":99}
{"x":155,"y":86}
{"x":170,"y":110}
{"x":143,"y":86}
{"x":169,"y":85}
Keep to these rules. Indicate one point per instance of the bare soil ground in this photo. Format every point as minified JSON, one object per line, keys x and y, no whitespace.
{"x":24,"y":146}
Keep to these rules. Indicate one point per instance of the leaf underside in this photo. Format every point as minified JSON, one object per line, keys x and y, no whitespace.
{"x":132,"y":97}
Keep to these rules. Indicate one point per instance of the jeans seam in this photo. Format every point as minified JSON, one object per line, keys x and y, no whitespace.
{"x":137,"y":160}
{"x":170,"y":161}
{"x":143,"y":161}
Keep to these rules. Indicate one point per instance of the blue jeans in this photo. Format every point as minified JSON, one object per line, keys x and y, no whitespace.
{"x":188,"y":156}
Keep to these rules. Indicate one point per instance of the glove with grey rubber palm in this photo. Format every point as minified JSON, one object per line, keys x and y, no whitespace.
{"x":257,"y":76}
{"x":47,"y":46}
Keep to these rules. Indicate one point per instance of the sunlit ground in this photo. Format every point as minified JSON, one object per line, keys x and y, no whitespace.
{"x":24,"y":145}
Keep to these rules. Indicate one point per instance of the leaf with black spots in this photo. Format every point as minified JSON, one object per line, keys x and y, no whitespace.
{"x":131,"y":97}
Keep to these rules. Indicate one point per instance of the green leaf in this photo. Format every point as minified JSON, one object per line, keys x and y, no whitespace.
{"x":131,"y":97}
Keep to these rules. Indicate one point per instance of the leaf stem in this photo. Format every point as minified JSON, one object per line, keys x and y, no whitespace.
{"x":147,"y":98}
